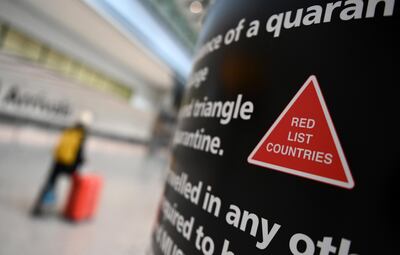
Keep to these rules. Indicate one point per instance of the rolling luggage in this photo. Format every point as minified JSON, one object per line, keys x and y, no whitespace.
{"x":83,"y":197}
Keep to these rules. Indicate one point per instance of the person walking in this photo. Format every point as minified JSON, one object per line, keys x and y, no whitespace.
{"x":68,"y":157}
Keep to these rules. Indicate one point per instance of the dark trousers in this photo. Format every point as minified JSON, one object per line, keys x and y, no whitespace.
{"x":50,"y":184}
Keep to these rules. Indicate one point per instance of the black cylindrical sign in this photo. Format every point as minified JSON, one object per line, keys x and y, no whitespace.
{"x":288,"y":134}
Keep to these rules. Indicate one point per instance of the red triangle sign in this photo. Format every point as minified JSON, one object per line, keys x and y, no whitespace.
{"x":303,"y":141}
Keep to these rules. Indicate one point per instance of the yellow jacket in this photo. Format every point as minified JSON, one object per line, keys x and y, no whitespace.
{"x":68,"y":146}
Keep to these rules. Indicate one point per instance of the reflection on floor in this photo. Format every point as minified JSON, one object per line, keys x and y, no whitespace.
{"x":129,"y":199}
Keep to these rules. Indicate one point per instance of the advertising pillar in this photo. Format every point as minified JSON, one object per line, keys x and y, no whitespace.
{"x":287,"y":140}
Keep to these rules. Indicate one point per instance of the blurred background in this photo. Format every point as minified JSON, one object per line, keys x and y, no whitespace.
{"x":123,"y":63}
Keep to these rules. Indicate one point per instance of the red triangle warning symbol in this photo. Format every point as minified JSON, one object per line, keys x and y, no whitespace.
{"x":303,"y":141}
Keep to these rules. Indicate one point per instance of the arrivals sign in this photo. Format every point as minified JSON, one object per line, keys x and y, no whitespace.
{"x":286,"y":142}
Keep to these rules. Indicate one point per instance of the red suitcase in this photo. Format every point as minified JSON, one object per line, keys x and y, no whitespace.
{"x":83,"y":197}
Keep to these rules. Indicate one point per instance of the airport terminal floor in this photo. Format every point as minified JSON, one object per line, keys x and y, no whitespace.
{"x":129,"y":198}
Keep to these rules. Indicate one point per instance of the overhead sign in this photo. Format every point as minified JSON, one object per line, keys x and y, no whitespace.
{"x":303,"y":141}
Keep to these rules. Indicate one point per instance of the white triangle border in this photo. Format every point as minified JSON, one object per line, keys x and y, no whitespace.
{"x":350,"y":182}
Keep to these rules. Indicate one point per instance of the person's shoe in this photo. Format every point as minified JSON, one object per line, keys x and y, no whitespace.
{"x":37,"y":212}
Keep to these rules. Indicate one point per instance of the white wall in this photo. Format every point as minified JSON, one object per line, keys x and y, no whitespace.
{"x":75,"y":29}
{"x":111,"y":114}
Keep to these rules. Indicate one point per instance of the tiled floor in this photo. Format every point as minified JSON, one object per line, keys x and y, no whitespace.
{"x":129,"y":199}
